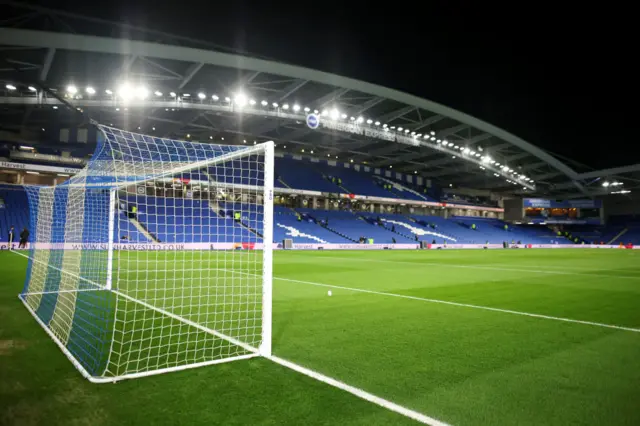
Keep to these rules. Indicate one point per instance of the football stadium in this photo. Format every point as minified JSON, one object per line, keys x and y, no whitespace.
{"x":191,"y":235}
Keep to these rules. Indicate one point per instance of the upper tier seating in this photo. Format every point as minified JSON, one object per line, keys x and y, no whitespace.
{"x":301,"y":175}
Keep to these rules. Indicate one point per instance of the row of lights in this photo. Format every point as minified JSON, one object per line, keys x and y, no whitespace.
{"x":126,"y":91}
{"x":607,"y":184}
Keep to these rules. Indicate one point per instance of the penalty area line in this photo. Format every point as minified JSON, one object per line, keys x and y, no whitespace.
{"x":466,"y":305}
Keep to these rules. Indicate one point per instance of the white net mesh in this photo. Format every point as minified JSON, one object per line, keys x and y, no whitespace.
{"x":152,"y":258}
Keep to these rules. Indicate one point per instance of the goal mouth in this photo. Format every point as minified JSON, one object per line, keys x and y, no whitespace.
{"x":152,"y":259}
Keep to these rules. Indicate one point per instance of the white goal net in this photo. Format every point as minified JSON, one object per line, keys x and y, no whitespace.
{"x":156,"y":257}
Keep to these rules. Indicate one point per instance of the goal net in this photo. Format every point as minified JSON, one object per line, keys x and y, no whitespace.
{"x":156,"y":257}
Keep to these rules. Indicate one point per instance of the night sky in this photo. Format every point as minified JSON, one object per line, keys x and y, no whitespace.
{"x":560,"y":77}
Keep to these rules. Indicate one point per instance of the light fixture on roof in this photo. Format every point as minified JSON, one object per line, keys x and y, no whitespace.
{"x":605,"y":184}
{"x":172,"y":94}
{"x":432,"y":132}
{"x":453,"y":156}
{"x":343,"y":116}
{"x":157,"y":93}
{"x":32,"y":173}
{"x":351,"y":161}
{"x":142,"y":93}
{"x":188,"y":135}
{"x":335,"y":114}
{"x":10,"y":87}
{"x":201,"y":95}
{"x":296,"y":107}
{"x":415,"y":172}
{"x":311,"y":151}
{"x":124,"y":91}
{"x":26,"y":147}
{"x":406,"y":130}
{"x":384,"y":126}
{"x":153,"y":128}
{"x":399,"y":129}
{"x":391,"y":167}
{"x":264,"y":103}
{"x":352,"y":118}
{"x":285,"y":106}
{"x":240,"y":100}
{"x":72,"y":89}
{"x":32,"y":89}
{"x":227,"y":99}
{"x":275,"y":105}
{"x":108,"y":92}
{"x":369,"y":121}
{"x":433,"y":138}
{"x":55,"y":107}
{"x":252,"y":102}
{"x":307,"y":109}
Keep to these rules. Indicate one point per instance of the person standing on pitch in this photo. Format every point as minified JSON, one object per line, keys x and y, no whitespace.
{"x":12,"y":235}
{"x":24,"y":237}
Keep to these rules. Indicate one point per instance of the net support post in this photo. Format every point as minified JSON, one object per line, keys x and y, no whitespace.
{"x":267,"y":251}
{"x":112,"y":214}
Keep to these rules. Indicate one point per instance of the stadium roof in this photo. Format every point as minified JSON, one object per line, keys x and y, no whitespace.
{"x":168,"y":85}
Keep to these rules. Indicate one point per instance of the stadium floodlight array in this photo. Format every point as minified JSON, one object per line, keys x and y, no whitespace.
{"x":133,"y":273}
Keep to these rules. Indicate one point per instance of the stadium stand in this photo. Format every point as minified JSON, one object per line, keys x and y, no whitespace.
{"x":304,"y":231}
{"x":301,"y":175}
{"x":177,"y":220}
{"x":14,"y":211}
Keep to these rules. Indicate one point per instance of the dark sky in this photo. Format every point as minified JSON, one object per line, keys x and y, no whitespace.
{"x":561,"y":77}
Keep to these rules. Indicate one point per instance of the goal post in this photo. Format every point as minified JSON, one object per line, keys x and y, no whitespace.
{"x":156,"y":257}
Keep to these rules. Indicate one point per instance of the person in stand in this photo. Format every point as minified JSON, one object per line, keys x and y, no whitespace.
{"x":393,"y":240}
{"x":393,"y":228}
{"x":12,"y":234}
{"x":24,"y":237}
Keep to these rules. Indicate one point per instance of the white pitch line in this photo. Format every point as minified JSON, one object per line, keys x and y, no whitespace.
{"x":419,"y":417}
{"x":465,"y":305}
{"x":488,"y":268}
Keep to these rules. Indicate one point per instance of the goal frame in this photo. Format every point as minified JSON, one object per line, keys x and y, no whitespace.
{"x":265,"y":349}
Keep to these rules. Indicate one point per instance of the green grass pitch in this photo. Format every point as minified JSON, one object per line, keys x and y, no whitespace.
{"x":460,"y":364}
